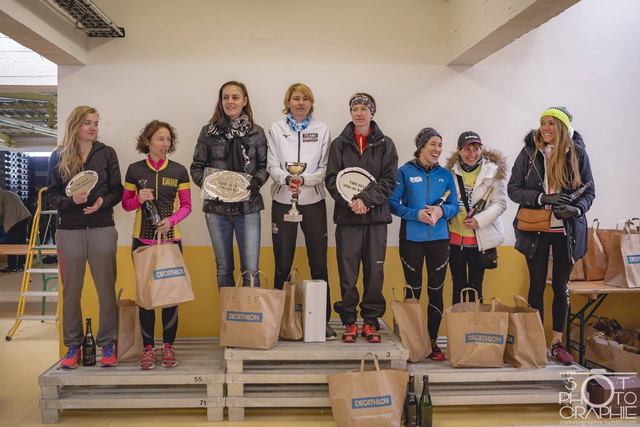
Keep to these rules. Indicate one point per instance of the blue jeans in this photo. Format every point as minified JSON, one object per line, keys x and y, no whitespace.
{"x":247,"y":230}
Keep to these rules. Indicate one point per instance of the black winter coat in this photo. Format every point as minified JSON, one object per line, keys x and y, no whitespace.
{"x":104,"y":161}
{"x":380,"y":159}
{"x":210,"y":152}
{"x":526,"y":184}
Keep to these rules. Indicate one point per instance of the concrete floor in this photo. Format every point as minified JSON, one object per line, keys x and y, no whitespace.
{"x":34,"y":349}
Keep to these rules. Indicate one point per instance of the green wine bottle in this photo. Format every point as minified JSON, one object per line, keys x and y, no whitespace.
{"x":425,"y":407}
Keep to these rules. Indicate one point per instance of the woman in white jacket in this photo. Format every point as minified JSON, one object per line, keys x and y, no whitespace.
{"x":475,"y":171}
{"x":299,"y":138}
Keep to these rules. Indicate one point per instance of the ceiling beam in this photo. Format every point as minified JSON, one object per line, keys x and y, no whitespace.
{"x":479,"y":28}
{"x":36,"y":26}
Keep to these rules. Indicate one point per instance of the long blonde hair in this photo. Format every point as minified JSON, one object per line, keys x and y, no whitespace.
{"x":69,"y":158}
{"x":558,"y":174}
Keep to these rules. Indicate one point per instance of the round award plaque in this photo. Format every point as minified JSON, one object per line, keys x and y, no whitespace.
{"x":351,"y":182}
{"x":84,"y":181}
{"x":227,"y":186}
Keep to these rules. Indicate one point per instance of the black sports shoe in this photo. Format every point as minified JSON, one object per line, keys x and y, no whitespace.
{"x":330,"y":334}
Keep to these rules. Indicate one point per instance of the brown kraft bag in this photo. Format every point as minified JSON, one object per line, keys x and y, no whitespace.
{"x":129,"y":337}
{"x":368,"y":397}
{"x":291,"y":327}
{"x":250,"y":316}
{"x":411,"y":326}
{"x":526,"y":344}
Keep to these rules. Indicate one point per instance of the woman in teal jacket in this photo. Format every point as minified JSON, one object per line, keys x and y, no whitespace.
{"x":417,"y":199}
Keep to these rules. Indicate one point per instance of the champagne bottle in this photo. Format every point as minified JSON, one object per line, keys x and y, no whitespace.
{"x":574,"y":196}
{"x":411,"y":405}
{"x":425,"y":407}
{"x":480,"y":204}
{"x":442,"y":199}
{"x":88,"y":346}
{"x":149,"y":207}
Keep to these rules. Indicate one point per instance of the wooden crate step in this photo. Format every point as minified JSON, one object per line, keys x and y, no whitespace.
{"x":197,"y":382}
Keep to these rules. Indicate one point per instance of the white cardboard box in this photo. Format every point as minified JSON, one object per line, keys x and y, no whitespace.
{"x":314,"y":309}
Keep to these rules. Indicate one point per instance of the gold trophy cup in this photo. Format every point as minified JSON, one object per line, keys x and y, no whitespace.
{"x":295,"y":169}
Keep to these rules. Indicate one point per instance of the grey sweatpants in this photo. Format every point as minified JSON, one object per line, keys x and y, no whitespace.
{"x":75,"y":248}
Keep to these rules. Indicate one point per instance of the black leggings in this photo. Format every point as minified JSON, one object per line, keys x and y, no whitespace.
{"x":562,"y":266}
{"x":466,"y":271}
{"x":436,"y":253}
{"x":148,"y":317}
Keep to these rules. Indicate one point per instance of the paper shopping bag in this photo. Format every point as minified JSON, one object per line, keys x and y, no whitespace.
{"x":476,"y":333}
{"x":526,"y":345}
{"x":595,"y":260}
{"x":250,"y":316}
{"x":411,"y":326}
{"x":623,"y":269}
{"x":291,"y":327}
{"x":129,"y":337}
{"x":601,"y":353}
{"x":368,"y":397}
{"x":162,"y":279}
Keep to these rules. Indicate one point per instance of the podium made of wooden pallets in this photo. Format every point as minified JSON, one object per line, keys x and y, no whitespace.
{"x":197,"y":382}
{"x":295,"y":373}
{"x":507,"y":385}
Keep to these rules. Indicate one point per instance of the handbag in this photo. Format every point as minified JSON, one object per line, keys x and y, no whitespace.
{"x":534,"y":219}
{"x":250,"y":316}
{"x":411,"y":326}
{"x":162,"y":279}
{"x":489,"y":258}
{"x":368,"y":397}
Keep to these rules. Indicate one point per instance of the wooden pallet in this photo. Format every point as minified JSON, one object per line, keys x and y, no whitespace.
{"x":492,"y":386}
{"x":197,"y":382}
{"x":294,"y":373}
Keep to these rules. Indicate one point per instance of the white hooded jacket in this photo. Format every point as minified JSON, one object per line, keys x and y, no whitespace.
{"x":493,"y":173}
{"x":310,"y":146}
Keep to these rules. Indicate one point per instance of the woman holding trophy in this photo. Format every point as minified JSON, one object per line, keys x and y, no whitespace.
{"x":297,"y":162}
{"x":84,"y":185}
{"x":361,"y":214}
{"x":233,"y":147}
{"x":159,"y":188}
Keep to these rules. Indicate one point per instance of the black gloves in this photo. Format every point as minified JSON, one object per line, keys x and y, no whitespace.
{"x":555,"y":199}
{"x":565,"y":211}
{"x":254,"y":187}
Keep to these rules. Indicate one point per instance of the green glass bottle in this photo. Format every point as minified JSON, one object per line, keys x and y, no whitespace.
{"x":411,"y":405}
{"x":425,"y":407}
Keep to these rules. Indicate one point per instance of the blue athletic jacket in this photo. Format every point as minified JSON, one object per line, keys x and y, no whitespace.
{"x":416,"y":188}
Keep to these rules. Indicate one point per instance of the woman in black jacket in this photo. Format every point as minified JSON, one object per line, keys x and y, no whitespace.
{"x":232,"y":141}
{"x":86,"y":231}
{"x":552,"y":165}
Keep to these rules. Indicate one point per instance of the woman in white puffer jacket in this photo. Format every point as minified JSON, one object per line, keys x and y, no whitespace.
{"x":475,"y":169}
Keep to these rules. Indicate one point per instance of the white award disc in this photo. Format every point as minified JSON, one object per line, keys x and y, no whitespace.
{"x":227,"y":186}
{"x":351,"y":182}
{"x":84,"y":181}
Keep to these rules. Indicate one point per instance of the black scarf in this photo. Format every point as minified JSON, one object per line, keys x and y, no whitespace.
{"x":235,"y":132}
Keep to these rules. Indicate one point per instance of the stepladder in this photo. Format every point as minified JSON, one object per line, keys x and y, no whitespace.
{"x":35,"y":268}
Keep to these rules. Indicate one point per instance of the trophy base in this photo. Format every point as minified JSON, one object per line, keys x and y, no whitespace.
{"x":293,"y":217}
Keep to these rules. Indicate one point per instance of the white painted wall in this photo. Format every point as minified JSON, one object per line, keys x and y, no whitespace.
{"x":177,"y":54}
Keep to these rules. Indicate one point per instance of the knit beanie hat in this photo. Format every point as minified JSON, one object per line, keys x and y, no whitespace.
{"x":364,"y":99}
{"x":560,"y":113}
{"x":425,"y":135}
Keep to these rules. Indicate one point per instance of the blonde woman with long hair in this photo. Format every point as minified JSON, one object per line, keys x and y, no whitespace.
{"x":86,"y":231}
{"x":552,"y":165}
